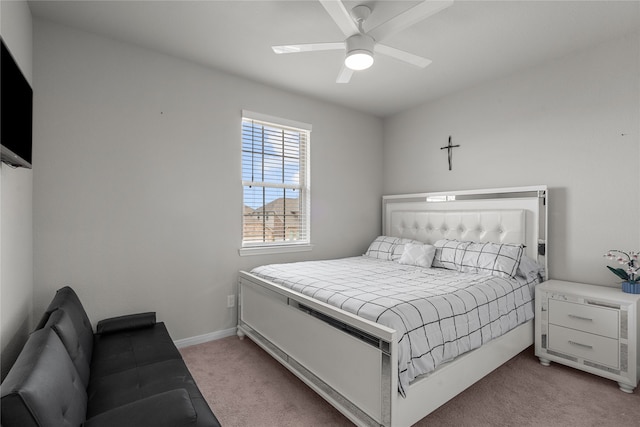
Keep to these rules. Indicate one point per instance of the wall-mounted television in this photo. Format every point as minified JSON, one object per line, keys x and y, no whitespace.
{"x":16,"y":112}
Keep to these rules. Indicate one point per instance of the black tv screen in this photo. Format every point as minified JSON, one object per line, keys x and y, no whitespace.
{"x":16,"y":112}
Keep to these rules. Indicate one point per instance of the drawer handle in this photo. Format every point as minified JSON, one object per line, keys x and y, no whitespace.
{"x":573,"y":316}
{"x":581,"y":345}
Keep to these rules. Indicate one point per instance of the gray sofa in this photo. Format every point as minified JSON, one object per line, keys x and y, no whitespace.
{"x":129,"y":373}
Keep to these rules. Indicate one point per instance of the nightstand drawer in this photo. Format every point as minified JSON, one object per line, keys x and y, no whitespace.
{"x":592,"y":347}
{"x":582,"y":317}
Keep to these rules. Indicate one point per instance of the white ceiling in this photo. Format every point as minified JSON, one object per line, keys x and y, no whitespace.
{"x":470,"y":42}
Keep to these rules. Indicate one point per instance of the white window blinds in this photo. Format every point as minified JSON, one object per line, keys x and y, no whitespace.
{"x":275,"y":179}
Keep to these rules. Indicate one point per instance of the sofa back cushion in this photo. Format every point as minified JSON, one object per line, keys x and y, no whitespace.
{"x":43,"y":388}
{"x":67,"y":300}
{"x":63,"y":326}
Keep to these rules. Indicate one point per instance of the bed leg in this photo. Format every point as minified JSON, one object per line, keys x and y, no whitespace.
{"x":240,"y":333}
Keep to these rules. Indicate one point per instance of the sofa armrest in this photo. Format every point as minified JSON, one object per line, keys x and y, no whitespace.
{"x":127,"y":322}
{"x":171,"y":409}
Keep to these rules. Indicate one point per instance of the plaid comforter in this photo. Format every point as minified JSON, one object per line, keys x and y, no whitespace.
{"x":437,"y":313}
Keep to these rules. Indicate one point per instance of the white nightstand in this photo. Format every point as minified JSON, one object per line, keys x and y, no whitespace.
{"x":592,"y":328}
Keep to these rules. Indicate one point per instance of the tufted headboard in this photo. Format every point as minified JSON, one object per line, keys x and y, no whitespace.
{"x":504,"y":226}
{"x":511,"y":215}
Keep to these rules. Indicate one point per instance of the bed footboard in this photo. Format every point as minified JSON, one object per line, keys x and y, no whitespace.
{"x":347,"y":360}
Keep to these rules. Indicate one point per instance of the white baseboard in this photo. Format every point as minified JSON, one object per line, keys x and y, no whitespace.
{"x":211,"y":336}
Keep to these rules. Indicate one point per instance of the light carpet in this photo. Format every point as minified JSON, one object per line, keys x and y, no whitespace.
{"x":246,"y":387}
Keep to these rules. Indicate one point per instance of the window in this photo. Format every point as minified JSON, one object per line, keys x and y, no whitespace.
{"x":275,"y":180}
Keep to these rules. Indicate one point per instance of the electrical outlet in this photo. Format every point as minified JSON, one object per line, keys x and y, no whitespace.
{"x":231,"y":301}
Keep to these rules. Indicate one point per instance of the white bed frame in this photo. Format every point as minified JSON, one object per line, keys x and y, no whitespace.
{"x":352,"y":362}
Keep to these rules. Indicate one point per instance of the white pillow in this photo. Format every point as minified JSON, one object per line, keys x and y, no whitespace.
{"x":382,"y":247}
{"x":497,"y":259}
{"x":399,"y":248}
{"x":418,"y":254}
{"x":529,"y":268}
{"x":449,"y":253}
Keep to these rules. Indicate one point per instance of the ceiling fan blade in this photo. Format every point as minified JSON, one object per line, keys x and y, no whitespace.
{"x":307,"y":47}
{"x":401,"y":55}
{"x":340,"y":16}
{"x":408,"y":18}
{"x":344,"y":75}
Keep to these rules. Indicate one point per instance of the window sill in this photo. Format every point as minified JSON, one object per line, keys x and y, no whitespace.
{"x":276,"y":249}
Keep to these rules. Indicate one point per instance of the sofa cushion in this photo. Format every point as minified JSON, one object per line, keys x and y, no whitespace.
{"x":66,"y":299}
{"x":43,"y":387}
{"x":126,"y":322}
{"x":107,"y":393}
{"x":110,"y":391}
{"x":61,"y":323}
{"x":119,"y":352}
{"x":169,"y":409}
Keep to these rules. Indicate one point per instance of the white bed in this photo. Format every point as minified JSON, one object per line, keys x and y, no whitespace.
{"x":351,"y":361}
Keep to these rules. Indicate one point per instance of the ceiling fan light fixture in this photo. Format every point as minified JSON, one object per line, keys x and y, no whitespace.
{"x":358,"y":60}
{"x":359,"y":52}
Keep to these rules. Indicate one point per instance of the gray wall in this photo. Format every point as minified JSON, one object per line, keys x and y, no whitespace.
{"x":560,"y":124}
{"x":138,"y":195}
{"x":16,"y":193}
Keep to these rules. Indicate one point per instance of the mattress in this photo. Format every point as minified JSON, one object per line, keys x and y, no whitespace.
{"x":438,"y":314}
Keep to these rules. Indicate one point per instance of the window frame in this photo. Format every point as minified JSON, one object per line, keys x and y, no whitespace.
{"x":262,"y":247}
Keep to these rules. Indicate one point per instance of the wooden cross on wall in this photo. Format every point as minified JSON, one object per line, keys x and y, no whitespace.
{"x":450,"y":150}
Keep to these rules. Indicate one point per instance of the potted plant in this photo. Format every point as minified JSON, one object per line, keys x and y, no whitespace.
{"x":629,"y":275}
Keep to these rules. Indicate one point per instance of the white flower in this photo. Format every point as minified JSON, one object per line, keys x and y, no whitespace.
{"x":629,"y":259}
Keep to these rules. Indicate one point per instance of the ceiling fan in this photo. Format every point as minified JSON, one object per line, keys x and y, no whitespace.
{"x":360,"y":45}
